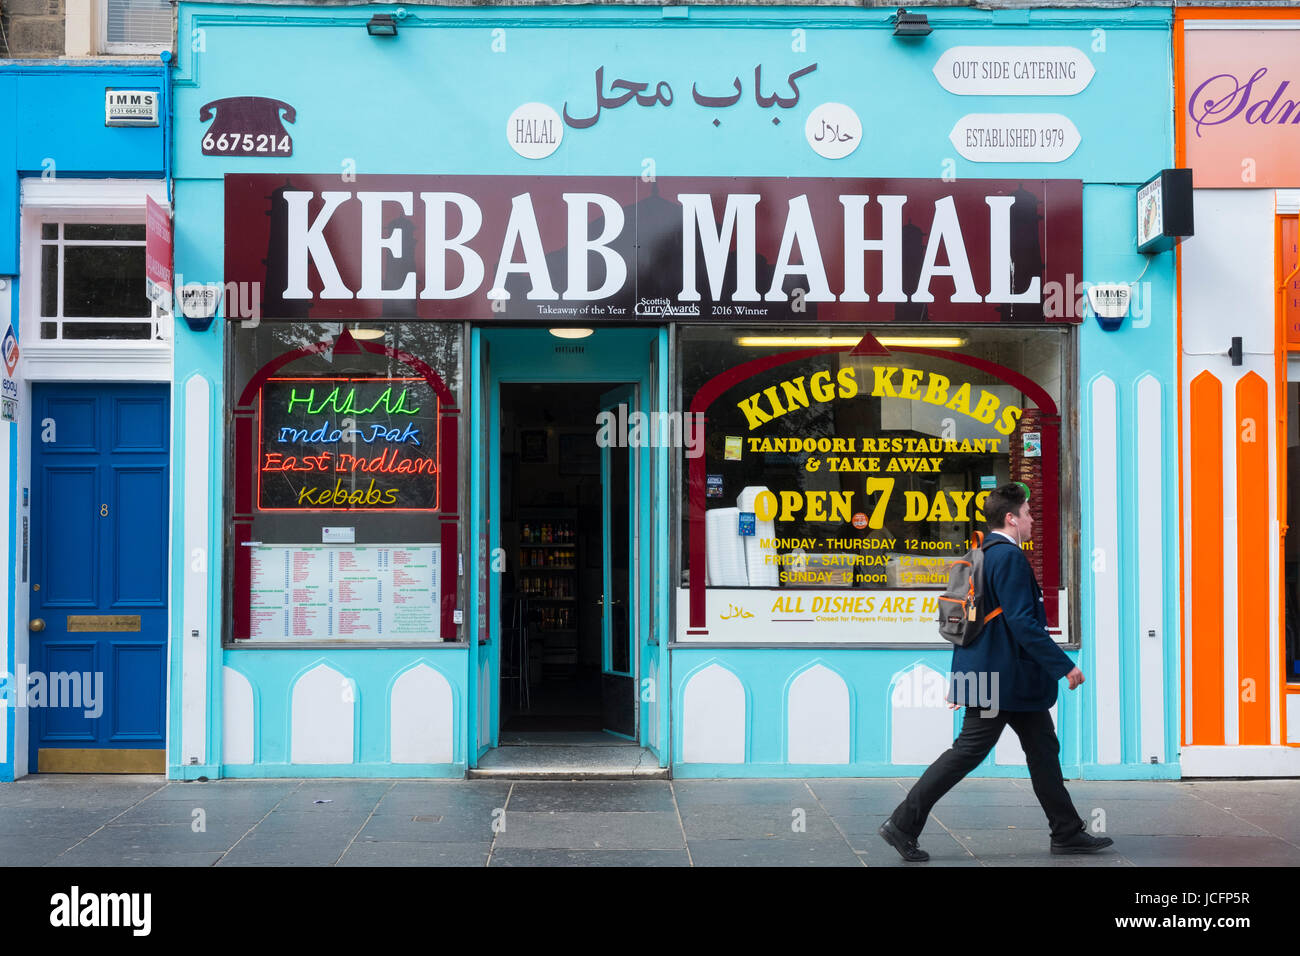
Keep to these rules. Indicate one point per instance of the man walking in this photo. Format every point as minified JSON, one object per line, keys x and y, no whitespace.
{"x":1017,"y":659}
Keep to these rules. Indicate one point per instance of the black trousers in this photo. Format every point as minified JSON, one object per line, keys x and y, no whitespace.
{"x":977,"y":737}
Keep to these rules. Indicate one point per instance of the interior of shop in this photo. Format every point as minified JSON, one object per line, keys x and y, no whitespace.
{"x":551,"y":529}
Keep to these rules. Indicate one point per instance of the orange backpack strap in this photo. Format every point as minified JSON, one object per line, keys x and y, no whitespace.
{"x":992,"y":614}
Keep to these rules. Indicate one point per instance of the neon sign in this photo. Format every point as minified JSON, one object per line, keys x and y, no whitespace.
{"x":348,"y":444}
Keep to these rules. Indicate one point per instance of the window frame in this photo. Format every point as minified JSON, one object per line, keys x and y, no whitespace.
{"x":96,"y":201}
{"x":158,"y":318}
{"x":131,"y":48}
{"x":1070,"y":516}
{"x":231,"y":461}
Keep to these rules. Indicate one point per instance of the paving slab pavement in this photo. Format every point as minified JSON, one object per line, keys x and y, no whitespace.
{"x":93,"y":820}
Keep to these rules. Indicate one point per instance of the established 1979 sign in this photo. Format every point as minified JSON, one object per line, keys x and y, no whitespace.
{"x":620,"y":249}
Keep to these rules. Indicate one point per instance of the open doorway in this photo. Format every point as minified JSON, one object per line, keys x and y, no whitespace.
{"x":559,"y":652}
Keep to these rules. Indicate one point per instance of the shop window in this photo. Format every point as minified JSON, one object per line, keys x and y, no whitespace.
{"x":344,"y":494}
{"x":92,"y":284}
{"x":830,"y":462}
{"x":136,"y":26}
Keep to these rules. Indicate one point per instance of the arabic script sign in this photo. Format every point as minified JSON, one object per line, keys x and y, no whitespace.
{"x":833,"y":130}
{"x":619,"y":248}
{"x":1241,"y":112}
{"x":616,"y":93}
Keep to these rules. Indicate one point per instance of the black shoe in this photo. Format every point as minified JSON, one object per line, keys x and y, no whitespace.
{"x":905,"y":846}
{"x":1081,"y":842}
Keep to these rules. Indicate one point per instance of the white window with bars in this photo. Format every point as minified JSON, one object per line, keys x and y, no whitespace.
{"x":136,"y":26}
{"x":92,"y":284}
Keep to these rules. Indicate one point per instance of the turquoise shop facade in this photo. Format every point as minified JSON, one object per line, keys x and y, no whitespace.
{"x":494,"y":103}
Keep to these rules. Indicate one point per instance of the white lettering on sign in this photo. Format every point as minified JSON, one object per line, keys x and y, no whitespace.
{"x":1014,"y":70}
{"x":534,"y":131}
{"x":130,"y":107}
{"x":1015,"y":137}
{"x":800,"y":253}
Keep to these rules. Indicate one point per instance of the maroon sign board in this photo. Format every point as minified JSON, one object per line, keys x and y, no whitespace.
{"x":621,"y":249}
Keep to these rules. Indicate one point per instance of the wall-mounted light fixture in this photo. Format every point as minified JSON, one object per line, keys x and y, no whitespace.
{"x":382,"y":25}
{"x":910,"y":26}
{"x":570,"y":333}
{"x":1234,"y":350}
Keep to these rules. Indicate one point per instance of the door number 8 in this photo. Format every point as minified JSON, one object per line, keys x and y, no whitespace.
{"x":103,"y":511}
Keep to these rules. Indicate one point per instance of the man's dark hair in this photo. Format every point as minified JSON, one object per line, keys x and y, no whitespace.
{"x":1007,"y":498}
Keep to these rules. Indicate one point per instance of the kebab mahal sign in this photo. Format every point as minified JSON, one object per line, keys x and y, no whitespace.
{"x":697,"y":249}
{"x":623,"y":249}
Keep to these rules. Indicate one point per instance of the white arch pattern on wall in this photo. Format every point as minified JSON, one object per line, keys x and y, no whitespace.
{"x":238,"y":718}
{"x":818,"y":722}
{"x":323,"y":724}
{"x":421,"y":711}
{"x":920,"y":723}
{"x":1151,"y":568}
{"x":1104,"y":562}
{"x":713,"y":717}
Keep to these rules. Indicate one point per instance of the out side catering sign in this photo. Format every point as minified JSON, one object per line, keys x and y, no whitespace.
{"x":621,"y":249}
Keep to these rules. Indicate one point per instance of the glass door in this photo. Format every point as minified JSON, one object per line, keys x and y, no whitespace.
{"x":619,"y":535}
{"x":486,"y":587}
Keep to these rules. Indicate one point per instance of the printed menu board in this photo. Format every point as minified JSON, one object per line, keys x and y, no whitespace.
{"x":313,"y":592}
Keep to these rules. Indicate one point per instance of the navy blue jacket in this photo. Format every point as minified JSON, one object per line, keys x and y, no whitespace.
{"x":1015,"y":645}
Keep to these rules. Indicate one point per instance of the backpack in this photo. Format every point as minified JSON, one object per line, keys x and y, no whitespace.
{"x":960,"y":621}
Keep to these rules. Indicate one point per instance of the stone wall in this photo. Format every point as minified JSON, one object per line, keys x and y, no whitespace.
{"x":34,"y":28}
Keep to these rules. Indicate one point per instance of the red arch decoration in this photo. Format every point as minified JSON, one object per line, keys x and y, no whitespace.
{"x":245,"y":466}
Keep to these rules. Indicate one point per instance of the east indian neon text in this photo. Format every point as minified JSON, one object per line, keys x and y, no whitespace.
{"x":387,"y":462}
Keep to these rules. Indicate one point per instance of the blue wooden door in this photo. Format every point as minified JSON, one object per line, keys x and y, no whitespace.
{"x":98,"y":579}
